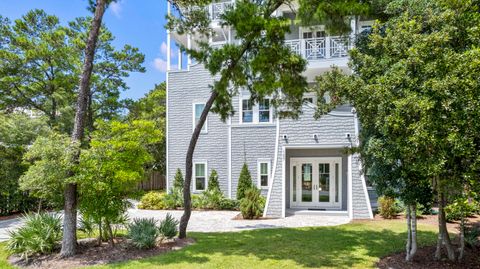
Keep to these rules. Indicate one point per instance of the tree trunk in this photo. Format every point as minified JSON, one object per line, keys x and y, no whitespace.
{"x":187,"y":202}
{"x":100,"y":233}
{"x":443,"y":236}
{"x":69,"y":242}
{"x":409,"y":234}
{"x":413,"y":249}
{"x":110,"y":233}
{"x":462,"y":238}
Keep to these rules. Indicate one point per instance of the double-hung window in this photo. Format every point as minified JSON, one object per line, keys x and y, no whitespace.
{"x":197,"y":112}
{"x":200,"y":174}
{"x":264,"y":110}
{"x":247,"y":110}
{"x":263,"y":173}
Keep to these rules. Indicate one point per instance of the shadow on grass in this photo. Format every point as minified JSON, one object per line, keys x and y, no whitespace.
{"x":351,"y":245}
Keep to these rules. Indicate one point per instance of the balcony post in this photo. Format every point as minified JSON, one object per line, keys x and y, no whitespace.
{"x":327,"y":47}
{"x":353,"y":25}
{"x":179,"y":58}
{"x":169,"y":8}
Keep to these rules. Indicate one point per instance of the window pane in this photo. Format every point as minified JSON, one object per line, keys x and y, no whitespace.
{"x":264,"y":116}
{"x":264,"y":110}
{"x":337,"y":179}
{"x":247,"y":104}
{"x":198,"y":112}
{"x":264,"y":104}
{"x":294,"y":183}
{"x":264,"y":180}
{"x":264,"y":168}
{"x":200,"y":170}
{"x":247,"y":116}
{"x":200,"y":183}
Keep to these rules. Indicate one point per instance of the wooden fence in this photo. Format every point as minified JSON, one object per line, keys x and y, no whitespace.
{"x":153,"y":181}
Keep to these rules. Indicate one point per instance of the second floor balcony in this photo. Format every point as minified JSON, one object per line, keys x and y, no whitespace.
{"x":320,"y":48}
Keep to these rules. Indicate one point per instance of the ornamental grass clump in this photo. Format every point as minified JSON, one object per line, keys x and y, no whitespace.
{"x":168,"y":227}
{"x":40,"y":235}
{"x":143,"y":233}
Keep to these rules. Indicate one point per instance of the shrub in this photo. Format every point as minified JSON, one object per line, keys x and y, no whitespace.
{"x":168,"y":227}
{"x":244,"y":182}
{"x":229,"y":204}
{"x":174,"y":199}
{"x":386,"y":207}
{"x":213,"y":198}
{"x":252,"y":204}
{"x":143,"y":233}
{"x":213,"y":181}
{"x":178,"y":180}
{"x":459,"y":207}
{"x":40,"y":234}
{"x":471,"y":234}
{"x":153,"y":200}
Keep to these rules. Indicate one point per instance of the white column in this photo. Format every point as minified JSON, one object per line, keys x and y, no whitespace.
{"x":179,"y":58}
{"x":189,"y":46}
{"x":353,"y":25}
{"x":169,"y":8}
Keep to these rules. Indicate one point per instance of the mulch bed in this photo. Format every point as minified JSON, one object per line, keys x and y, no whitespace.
{"x":425,"y":259}
{"x":12,"y":216}
{"x":89,"y":253}
{"x":240,"y":217}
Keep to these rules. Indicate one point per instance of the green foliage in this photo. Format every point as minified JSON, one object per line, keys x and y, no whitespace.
{"x":174,"y":199}
{"x":213,"y":183}
{"x":112,"y":167}
{"x":42,"y":60}
{"x":143,"y":233}
{"x":168,"y":227}
{"x":387,"y":208}
{"x":461,"y":208}
{"x":151,"y":107}
{"x":50,"y":159}
{"x":252,"y":205}
{"x":229,"y":204}
{"x":153,"y":200}
{"x":39,"y":235}
{"x":472,"y":234}
{"x":178,"y":180}
{"x":244,"y":182}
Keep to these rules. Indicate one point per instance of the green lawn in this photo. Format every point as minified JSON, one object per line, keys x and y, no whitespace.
{"x":357,"y":245}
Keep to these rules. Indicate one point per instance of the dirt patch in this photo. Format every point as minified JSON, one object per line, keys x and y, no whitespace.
{"x":91,"y":254}
{"x":12,"y":216}
{"x":425,"y":259}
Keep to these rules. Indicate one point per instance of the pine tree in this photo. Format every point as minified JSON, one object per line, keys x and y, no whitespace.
{"x":213,"y":181}
{"x":178,"y":180}
{"x":244,"y":182}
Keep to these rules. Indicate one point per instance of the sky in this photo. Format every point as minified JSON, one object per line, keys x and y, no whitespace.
{"x":134,"y":22}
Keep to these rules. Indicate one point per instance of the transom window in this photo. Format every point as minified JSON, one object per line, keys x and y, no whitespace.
{"x":197,"y":112}
{"x":200,"y":172}
{"x":263,"y":173}
{"x":247,"y":110}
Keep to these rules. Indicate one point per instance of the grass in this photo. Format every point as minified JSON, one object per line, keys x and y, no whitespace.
{"x":354,"y":245}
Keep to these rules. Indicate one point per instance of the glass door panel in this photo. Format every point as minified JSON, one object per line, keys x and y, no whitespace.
{"x":323,"y":182}
{"x":294,"y":185}
{"x":307,"y":183}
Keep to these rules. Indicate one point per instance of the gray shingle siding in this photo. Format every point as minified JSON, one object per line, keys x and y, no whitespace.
{"x":251,"y":143}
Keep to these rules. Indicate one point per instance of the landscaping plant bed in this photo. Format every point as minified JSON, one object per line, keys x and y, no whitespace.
{"x":240,"y":217}
{"x":89,"y":253}
{"x":424,"y":259}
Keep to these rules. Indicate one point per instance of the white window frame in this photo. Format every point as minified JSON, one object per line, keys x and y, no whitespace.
{"x":256,"y":112}
{"x":195,"y":176}
{"x":205,"y":125}
{"x":269,"y":171}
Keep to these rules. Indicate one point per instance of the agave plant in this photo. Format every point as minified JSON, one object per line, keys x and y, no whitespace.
{"x":143,"y":232}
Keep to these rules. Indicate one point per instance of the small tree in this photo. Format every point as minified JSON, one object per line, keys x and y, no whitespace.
{"x":244,"y":182}
{"x":178,"y":180}
{"x":213,"y":181}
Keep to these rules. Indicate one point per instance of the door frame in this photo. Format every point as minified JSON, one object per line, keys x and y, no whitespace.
{"x":315,"y":161}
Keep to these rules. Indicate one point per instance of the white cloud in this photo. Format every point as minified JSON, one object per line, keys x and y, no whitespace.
{"x":163,"y":50}
{"x":160,"y":64}
{"x":116,"y":8}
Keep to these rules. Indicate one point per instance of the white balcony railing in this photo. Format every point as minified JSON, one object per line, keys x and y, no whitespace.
{"x":321,"y":47}
{"x":217,"y":9}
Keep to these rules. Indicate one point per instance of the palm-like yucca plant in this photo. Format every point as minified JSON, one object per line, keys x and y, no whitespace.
{"x":39,"y":235}
{"x":168,"y":227}
{"x":143,"y":232}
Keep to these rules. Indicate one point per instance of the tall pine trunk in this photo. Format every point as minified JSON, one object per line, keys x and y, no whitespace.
{"x":69,"y":241}
{"x":187,"y":201}
{"x":411,"y":232}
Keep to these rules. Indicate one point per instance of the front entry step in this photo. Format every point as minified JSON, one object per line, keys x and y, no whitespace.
{"x":317,"y":212}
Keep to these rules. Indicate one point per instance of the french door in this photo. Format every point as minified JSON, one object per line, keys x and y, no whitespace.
{"x":316,"y":182}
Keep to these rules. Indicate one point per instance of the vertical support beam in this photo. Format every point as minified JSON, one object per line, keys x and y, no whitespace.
{"x":327,"y":47}
{"x":169,"y":10}
{"x":179,"y":58}
{"x":349,"y":186}
{"x":353,"y":25}
{"x":189,"y":46}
